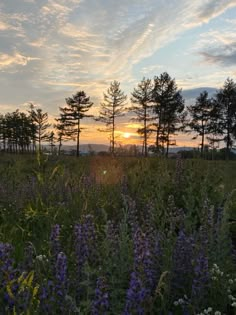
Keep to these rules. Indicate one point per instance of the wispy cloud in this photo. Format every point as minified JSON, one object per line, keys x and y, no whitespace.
{"x":66,"y":45}
{"x":16,"y":59}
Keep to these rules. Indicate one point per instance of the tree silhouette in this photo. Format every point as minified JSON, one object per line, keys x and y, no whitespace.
{"x":77,"y":107}
{"x":142,"y":98}
{"x":168,"y":108}
{"x":112,"y":108}
{"x":40,"y":120}
{"x":52,"y":140}
{"x":200,"y":117}
{"x":226,"y":99}
{"x":63,"y":131}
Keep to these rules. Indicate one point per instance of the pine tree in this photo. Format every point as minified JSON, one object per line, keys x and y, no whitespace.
{"x":142,"y":98}
{"x":40,"y":120}
{"x":112,"y":108}
{"x":226,"y":99}
{"x":200,"y":117}
{"x":77,"y":107}
{"x":168,"y":108}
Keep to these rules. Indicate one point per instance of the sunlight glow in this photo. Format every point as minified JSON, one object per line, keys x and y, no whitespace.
{"x":126,"y":135}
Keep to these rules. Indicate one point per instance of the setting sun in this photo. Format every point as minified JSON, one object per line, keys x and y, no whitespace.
{"x":126,"y":135}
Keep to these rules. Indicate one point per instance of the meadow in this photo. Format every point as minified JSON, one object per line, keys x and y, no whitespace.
{"x":101,"y":235}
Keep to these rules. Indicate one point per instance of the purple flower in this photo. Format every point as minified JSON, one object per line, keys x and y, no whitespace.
{"x":201,"y":278}
{"x":61,"y":274}
{"x":112,"y":235}
{"x":85,"y":240}
{"x":6,"y":264}
{"x":100,"y":304}
{"x":55,"y":240}
{"x":136,"y":296}
{"x":143,"y":259}
{"x":130,"y":206}
{"x":182,"y":265}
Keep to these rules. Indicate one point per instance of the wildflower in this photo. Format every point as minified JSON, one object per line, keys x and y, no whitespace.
{"x":136,"y":296}
{"x":201,"y":277}
{"x":55,"y":240}
{"x":183,"y":268}
{"x":100,"y":305}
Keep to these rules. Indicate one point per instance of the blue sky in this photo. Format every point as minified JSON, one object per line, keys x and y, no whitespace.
{"x":49,"y":49}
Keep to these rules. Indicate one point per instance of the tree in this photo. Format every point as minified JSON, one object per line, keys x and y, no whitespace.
{"x":142,"y":98}
{"x":40,"y":120}
{"x":77,"y":107}
{"x":226,"y":99}
{"x":200,"y":117}
{"x":64,"y":131}
{"x":51,"y":140}
{"x":112,"y":108}
{"x":168,"y":108}
{"x":2,"y":132}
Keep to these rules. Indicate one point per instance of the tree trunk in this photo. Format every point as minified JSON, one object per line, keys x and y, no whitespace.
{"x":202,"y":144}
{"x":78,"y":136}
{"x":113,"y":136}
{"x":145,"y":133}
{"x":59,"y":147}
{"x":167,"y":143}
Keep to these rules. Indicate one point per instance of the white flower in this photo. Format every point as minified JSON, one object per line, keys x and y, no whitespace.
{"x":181,"y":301}
{"x":39,"y":257}
{"x":176,"y":303}
{"x":209,"y":309}
{"x":233,"y":304}
{"x":217,"y":313}
{"x":231,"y":281}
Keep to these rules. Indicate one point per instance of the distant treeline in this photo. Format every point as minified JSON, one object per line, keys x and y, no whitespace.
{"x":157,"y":105}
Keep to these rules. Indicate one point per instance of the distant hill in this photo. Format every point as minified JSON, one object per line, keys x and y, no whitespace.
{"x":105,"y":148}
{"x":87,"y":147}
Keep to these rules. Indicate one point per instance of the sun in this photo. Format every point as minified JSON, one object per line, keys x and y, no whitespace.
{"x":126,"y":135}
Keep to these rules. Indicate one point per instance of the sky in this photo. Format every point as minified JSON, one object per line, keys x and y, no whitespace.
{"x":50,"y":49}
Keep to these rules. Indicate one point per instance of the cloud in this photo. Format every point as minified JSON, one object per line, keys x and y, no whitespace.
{"x":228,"y":58}
{"x":218,"y":47}
{"x":4,"y":26}
{"x":87,"y":44}
{"x":16,"y":59}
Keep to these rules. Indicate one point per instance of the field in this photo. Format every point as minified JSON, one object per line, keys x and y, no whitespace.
{"x":101,"y":235}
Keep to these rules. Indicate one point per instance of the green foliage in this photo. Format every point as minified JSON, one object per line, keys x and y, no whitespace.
{"x":166,"y":194}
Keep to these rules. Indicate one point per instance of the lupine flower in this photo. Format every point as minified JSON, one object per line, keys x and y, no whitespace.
{"x":143,"y":260}
{"x":47,"y":297}
{"x":6,"y":263}
{"x":89,"y":236}
{"x":136,"y":296}
{"x":61,"y":282}
{"x":182,"y":264}
{"x":112,"y":235}
{"x":201,"y":278}
{"x":55,"y":240}
{"x":61,"y":275}
{"x":130,"y":205}
{"x":143,"y":278}
{"x":100,"y":304}
{"x":84,"y":241}
{"x":85,"y":238}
